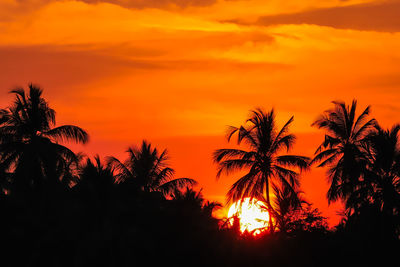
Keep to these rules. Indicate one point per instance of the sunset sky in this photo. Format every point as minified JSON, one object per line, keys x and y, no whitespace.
{"x":177,"y":72}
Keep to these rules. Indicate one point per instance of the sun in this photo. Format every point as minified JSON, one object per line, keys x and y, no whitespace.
{"x":251,"y":214}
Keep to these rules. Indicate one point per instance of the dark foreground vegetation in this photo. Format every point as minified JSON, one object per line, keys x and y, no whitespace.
{"x":59,"y":208}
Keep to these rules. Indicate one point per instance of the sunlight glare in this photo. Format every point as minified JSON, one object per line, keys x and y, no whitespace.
{"x":252,"y":215}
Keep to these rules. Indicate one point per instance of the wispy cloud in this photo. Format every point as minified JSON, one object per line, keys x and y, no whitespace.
{"x":139,"y":4}
{"x":375,"y":16}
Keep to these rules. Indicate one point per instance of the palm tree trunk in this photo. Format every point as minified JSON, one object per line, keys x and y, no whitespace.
{"x":270,"y":210}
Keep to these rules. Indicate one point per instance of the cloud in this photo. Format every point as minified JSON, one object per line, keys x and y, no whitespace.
{"x":154,"y":3}
{"x":65,"y":66}
{"x":139,"y":4}
{"x":60,"y":66}
{"x":387,"y":81}
{"x":381,"y":16}
{"x":15,"y":9}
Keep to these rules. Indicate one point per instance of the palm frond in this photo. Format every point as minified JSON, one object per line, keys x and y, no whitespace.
{"x":164,"y":175}
{"x":231,"y":165}
{"x":237,"y":190}
{"x":174,"y":184}
{"x":330,"y":160}
{"x":285,"y":141}
{"x":361,"y":118}
{"x":248,"y":136}
{"x":122,"y":171}
{"x":230,"y":132}
{"x":284,"y":130}
{"x":329,"y":142}
{"x":365,"y":129}
{"x":323,"y":155}
{"x":68,"y":133}
{"x":228,"y":153}
{"x":300,"y":162}
{"x":287,"y":176}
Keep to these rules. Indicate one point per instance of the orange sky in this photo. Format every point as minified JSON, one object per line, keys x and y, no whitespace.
{"x":176,"y":72}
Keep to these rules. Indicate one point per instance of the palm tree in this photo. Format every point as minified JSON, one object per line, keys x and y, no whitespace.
{"x":263,"y":160}
{"x":342,"y":150}
{"x":188,"y":196}
{"x":30,"y":144}
{"x":95,"y":179}
{"x":95,"y":188}
{"x":286,"y":204}
{"x":195,"y":201}
{"x":147,"y":169}
{"x":190,"y":214}
{"x":382,"y":178}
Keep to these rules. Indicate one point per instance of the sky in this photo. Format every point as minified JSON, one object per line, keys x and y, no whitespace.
{"x":178,"y":72}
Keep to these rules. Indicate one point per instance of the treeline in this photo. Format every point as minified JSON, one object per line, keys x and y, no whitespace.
{"x":59,"y":208}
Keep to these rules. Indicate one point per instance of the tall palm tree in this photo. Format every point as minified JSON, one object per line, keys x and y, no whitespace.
{"x":341,"y":151}
{"x":29,"y":141}
{"x":262,"y":159}
{"x":382,"y":178}
{"x":147,"y":169}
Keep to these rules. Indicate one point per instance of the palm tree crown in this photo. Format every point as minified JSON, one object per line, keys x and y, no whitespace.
{"x":147,"y":169}
{"x":383,"y":168}
{"x":341,"y":150}
{"x":263,"y":161}
{"x":29,"y":142}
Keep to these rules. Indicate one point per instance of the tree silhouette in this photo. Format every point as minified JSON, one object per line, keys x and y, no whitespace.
{"x":63,"y":209}
{"x":193,"y":200}
{"x":188,"y":196}
{"x":96,"y":180}
{"x":29,"y":142}
{"x":382,"y":178}
{"x":147,"y":170}
{"x":95,"y":190}
{"x":287,"y":203}
{"x":341,"y":150}
{"x":263,"y":161}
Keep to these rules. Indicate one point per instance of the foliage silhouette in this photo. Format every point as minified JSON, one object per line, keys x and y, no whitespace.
{"x":381,"y":184}
{"x":146,"y":169}
{"x":287,"y":203}
{"x":263,"y":161}
{"x":29,"y":142}
{"x":64,"y":209}
{"x":341,"y":149}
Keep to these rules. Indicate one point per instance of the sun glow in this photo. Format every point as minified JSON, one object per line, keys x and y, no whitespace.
{"x":252,"y":215}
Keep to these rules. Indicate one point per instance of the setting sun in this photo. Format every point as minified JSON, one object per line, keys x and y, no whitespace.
{"x":251,"y":214}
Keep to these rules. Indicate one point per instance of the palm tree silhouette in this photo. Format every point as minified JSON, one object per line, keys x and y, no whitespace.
{"x":147,"y":169}
{"x":195,"y":201}
{"x":95,"y":179}
{"x":262,"y":159}
{"x":382,"y":176}
{"x":194,"y":198}
{"x":341,"y":150}
{"x":96,"y":188}
{"x":29,"y":142}
{"x":286,"y":204}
